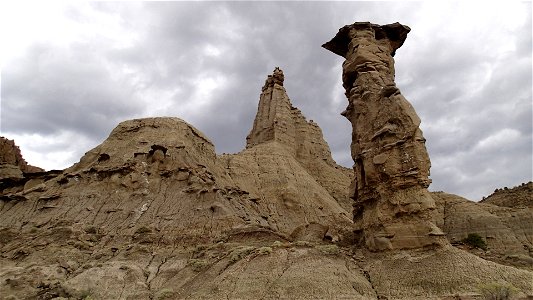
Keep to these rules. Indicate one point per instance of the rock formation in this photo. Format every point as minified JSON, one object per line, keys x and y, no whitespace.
{"x":14,"y":170}
{"x":517,"y":197}
{"x":507,"y":227}
{"x":173,"y":181}
{"x":156,"y":190}
{"x":12,"y":164}
{"x":10,"y":154}
{"x":154,"y":213}
{"x":278,"y":121}
{"x":393,"y":208}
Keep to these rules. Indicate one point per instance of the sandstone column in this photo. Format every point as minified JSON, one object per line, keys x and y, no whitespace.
{"x":274,"y":120}
{"x":278,"y":121}
{"x":393,"y":208}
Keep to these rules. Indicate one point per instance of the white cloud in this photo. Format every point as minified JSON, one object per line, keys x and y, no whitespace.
{"x":500,"y":139}
{"x":57,"y":151}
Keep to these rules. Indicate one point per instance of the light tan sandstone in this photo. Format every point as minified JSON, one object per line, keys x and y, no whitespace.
{"x":508,"y":231}
{"x":277,"y":120}
{"x":10,"y":154}
{"x":393,"y":208}
{"x":518,"y":197}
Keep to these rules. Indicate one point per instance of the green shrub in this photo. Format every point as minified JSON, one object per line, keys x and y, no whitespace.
{"x":91,"y":229}
{"x":199,"y":251}
{"x":495,"y":291}
{"x":278,"y":244}
{"x":240,"y":252}
{"x":86,"y":295}
{"x":303,"y":244}
{"x":198,"y":264}
{"x":264,"y":250}
{"x":476,"y":241}
{"x":328,"y":249}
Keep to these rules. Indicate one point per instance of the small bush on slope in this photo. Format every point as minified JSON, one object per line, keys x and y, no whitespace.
{"x":495,"y":291}
{"x":475,"y":240}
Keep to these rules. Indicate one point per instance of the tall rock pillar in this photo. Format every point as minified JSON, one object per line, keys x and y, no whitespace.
{"x":393,"y":208}
{"x":278,"y":121}
{"x":274,"y":118}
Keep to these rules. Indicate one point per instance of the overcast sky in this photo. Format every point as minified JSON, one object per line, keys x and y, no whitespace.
{"x":72,"y":72}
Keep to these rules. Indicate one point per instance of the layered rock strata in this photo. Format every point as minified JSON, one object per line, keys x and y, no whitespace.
{"x":14,"y":170}
{"x":517,"y":197}
{"x":507,"y":228}
{"x":277,"y":120}
{"x":12,"y":164}
{"x":163,"y":174}
{"x":154,"y":213}
{"x":140,"y":208}
{"x":10,"y":154}
{"x":393,"y":208}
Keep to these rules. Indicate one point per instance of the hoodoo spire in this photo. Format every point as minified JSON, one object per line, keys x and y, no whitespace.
{"x":274,"y":120}
{"x":278,"y":121}
{"x":393,"y":207}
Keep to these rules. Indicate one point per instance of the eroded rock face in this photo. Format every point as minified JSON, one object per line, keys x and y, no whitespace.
{"x":140,"y":206}
{"x":507,"y":229}
{"x":14,"y":170}
{"x":12,"y":164}
{"x":517,"y":197}
{"x":393,"y":208}
{"x":277,"y":120}
{"x":154,"y":213}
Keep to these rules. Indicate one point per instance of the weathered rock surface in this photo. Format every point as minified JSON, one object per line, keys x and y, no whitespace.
{"x":278,"y":121}
{"x":14,"y":170}
{"x":10,"y":172}
{"x":443,"y":273}
{"x":163,"y":174}
{"x":154,"y":213}
{"x":519,"y":197}
{"x":393,"y":208}
{"x":10,"y":155}
{"x":275,"y":181}
{"x":508,"y":231}
{"x":130,"y":218}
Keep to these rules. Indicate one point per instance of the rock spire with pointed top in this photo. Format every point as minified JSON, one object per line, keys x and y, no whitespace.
{"x":393,"y":208}
{"x":278,"y":121}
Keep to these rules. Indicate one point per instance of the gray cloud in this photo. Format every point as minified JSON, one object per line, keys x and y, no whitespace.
{"x":468,"y":76}
{"x":51,"y":89}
